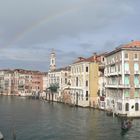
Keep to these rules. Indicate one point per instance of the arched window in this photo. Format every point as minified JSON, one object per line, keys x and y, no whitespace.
{"x":86,"y":95}
{"x":77,"y":81}
{"x":52,"y":61}
{"x":127,"y":107}
{"x":136,"y":106}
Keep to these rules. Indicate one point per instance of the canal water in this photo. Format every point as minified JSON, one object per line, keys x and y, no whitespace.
{"x":40,"y":120}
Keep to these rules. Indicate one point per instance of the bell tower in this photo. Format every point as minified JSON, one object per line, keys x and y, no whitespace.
{"x":52,"y":61}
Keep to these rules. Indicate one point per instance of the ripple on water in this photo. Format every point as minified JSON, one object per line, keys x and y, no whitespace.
{"x":37,"y":120}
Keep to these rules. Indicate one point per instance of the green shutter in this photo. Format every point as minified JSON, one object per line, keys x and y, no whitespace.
{"x":136,"y":80}
{"x":126,"y":93}
{"x":136,"y":94}
{"x":126,"y":80}
{"x":136,"y":67}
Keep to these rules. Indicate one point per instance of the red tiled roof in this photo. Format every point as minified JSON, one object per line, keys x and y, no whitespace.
{"x":133,"y":44}
{"x":94,"y":58}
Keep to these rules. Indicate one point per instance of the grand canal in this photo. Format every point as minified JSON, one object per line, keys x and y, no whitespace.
{"x":39,"y":120}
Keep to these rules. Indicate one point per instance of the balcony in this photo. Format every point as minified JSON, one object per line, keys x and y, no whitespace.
{"x":137,"y":86}
{"x":136,"y":72}
{"x":111,"y":86}
{"x":117,"y":86}
{"x":126,"y":86}
{"x":113,"y":73}
{"x":126,"y":72}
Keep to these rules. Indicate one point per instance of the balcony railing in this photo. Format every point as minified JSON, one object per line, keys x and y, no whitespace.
{"x":126,"y":72}
{"x":137,"y":86}
{"x":136,"y":72}
{"x":113,"y":73}
{"x":117,"y":86}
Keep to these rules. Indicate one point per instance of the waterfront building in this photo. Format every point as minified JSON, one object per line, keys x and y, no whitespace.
{"x":57,"y":77}
{"x":6,"y":82}
{"x":22,"y":82}
{"x":122,"y":73}
{"x":26,"y":82}
{"x":85,"y":81}
{"x":37,"y":82}
{"x":45,"y":82}
{"x":101,"y":81}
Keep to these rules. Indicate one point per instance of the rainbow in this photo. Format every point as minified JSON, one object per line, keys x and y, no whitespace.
{"x":39,"y":23}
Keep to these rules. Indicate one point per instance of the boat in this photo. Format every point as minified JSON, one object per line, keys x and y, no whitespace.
{"x":126,"y":125}
{"x":1,"y":136}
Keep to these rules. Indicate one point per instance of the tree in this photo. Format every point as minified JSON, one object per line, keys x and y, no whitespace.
{"x":53,"y":89}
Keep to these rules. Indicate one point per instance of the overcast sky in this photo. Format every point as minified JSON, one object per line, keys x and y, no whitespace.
{"x":29,"y":29}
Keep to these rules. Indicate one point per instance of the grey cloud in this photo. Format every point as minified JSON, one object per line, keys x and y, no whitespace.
{"x":29,"y":29}
{"x":86,"y":45}
{"x":23,"y":17}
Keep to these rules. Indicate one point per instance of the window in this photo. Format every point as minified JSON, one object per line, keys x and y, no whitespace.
{"x":119,"y":105}
{"x":135,"y":56}
{"x":127,"y":107}
{"x":136,"y":95}
{"x":126,"y":67}
{"x":65,"y":80}
{"x":126,"y":80}
{"x":119,"y":67}
{"x":136,"y":67}
{"x":136,"y":80}
{"x":108,"y":102}
{"x":86,"y":69}
{"x":76,"y":81}
{"x":126,"y":55}
{"x":86,"y":95}
{"x":126,"y":93}
{"x":136,"y":106}
{"x":114,"y":82}
{"x":112,"y":68}
{"x":65,"y":74}
{"x":86,"y":83}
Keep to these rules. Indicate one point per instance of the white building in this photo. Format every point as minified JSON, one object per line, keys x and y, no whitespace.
{"x":122,"y":73}
{"x":85,"y":81}
{"x":6,"y":82}
{"x":58,"y":77}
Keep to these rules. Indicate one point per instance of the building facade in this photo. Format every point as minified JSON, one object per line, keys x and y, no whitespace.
{"x":6,"y":79}
{"x":21,"y":82}
{"x":85,"y":81}
{"x":122,"y":73}
{"x":57,"y":77}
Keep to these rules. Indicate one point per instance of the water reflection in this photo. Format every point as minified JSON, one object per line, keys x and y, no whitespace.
{"x":37,"y":120}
